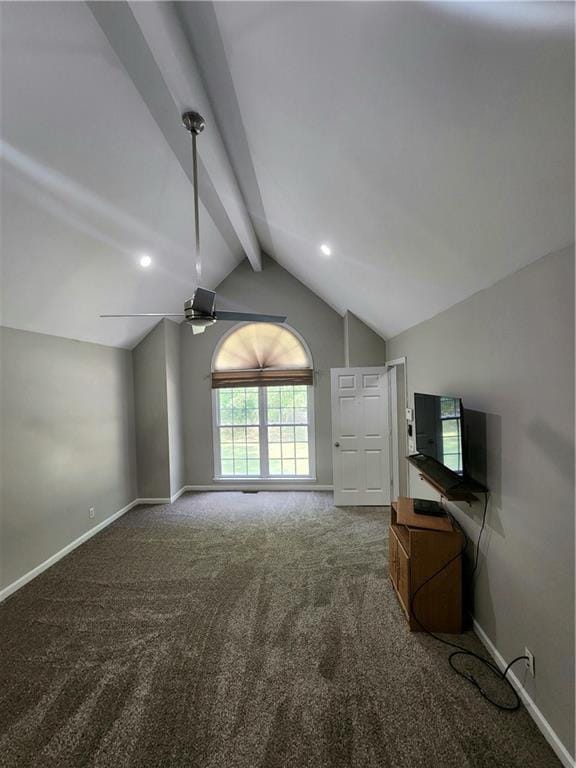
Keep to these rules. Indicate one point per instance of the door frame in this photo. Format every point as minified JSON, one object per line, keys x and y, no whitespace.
{"x":397,"y":419}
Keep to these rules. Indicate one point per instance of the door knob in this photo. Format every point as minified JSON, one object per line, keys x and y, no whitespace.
{"x":337,"y":445}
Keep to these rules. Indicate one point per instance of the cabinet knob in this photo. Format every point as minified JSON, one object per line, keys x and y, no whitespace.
{"x":337,"y":445}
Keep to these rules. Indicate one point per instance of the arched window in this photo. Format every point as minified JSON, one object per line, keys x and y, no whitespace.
{"x":262,"y":379}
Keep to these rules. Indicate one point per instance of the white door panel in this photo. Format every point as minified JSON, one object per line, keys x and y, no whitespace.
{"x":360,"y":436}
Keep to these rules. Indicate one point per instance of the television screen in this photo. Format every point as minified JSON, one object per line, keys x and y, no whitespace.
{"x":439,"y":429}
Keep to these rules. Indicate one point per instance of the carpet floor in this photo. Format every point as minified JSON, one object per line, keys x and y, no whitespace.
{"x":230,"y":630}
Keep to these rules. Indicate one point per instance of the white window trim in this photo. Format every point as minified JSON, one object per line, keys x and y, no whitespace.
{"x":265,"y":478}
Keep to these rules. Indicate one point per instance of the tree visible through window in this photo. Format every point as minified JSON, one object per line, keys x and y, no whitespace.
{"x":263,"y":431}
{"x":239,"y":431}
{"x":451,"y":433}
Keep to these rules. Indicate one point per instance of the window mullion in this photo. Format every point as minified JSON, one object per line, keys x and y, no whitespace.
{"x":263,"y":432}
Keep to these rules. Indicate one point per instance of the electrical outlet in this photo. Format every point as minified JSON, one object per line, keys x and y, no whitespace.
{"x":91,"y":513}
{"x":530,"y":663}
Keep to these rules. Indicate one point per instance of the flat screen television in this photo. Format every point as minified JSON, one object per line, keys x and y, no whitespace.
{"x":440,"y":430}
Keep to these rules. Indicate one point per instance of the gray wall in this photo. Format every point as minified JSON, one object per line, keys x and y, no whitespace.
{"x":272,"y":290}
{"x":174,"y":398}
{"x":362,"y":346}
{"x":151,"y":409}
{"x":158,"y":406}
{"x":509,"y":352}
{"x":67,"y":443}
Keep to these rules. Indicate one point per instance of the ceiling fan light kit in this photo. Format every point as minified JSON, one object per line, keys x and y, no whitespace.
{"x":199,"y":311}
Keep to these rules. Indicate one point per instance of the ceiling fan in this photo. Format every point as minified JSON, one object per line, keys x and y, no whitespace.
{"x":199,"y":311}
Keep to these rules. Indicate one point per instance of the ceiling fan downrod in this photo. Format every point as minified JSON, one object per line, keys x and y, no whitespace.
{"x":194,"y":123}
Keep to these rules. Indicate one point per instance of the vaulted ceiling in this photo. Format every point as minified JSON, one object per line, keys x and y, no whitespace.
{"x":429,"y":144}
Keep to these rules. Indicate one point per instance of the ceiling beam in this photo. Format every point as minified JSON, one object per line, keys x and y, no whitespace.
{"x":154,"y":51}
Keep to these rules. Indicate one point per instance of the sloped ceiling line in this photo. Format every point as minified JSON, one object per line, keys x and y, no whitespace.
{"x":144,"y":38}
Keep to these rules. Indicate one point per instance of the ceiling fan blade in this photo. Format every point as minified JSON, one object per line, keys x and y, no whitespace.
{"x":253,"y":317}
{"x":203,"y":301}
{"x":150,"y":314}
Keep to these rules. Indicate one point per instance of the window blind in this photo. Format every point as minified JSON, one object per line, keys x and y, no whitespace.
{"x":266,"y":377}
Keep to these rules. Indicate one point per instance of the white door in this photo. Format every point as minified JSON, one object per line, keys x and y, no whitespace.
{"x":360,"y":436}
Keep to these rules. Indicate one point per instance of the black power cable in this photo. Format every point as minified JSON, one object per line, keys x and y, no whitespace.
{"x":460,"y":650}
{"x":486,"y":495}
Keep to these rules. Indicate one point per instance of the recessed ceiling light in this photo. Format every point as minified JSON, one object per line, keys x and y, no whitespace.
{"x":326,"y":250}
{"x":145,"y":260}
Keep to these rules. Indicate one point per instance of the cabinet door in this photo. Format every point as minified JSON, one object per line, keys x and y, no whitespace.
{"x":403,"y":583}
{"x":393,"y":557}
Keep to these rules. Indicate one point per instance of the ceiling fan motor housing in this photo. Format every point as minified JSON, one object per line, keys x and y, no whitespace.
{"x":195,"y":318}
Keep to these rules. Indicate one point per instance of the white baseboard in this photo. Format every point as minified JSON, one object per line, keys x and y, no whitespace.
{"x":248,"y":486}
{"x":11,"y":588}
{"x":164,"y":500}
{"x":543,"y":725}
{"x":178,"y":494}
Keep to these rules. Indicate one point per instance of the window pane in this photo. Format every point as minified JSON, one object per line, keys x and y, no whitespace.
{"x":301,"y":434}
{"x":287,"y":396}
{"x":239,"y":434}
{"x":449,"y":406}
{"x":300,"y":397}
{"x":226,"y":435}
{"x":452,"y":462}
{"x":273,"y":397}
{"x":450,"y":427}
{"x":288,"y":451}
{"x":301,"y":416}
{"x":239,"y":398}
{"x":302,"y":467}
{"x":253,"y":466}
{"x":239,"y":451}
{"x":275,"y":467}
{"x":226,"y":417}
{"x":274,"y":416}
{"x":252,"y":435}
{"x":287,"y":415}
{"x":273,"y":434}
{"x":253,"y":450}
{"x":252,"y":399}
{"x":275,"y":451}
{"x":450,"y":445}
{"x":225,"y":396}
{"x":239,"y":416}
{"x":227,"y":451}
{"x":252,"y":417}
{"x":288,"y":467}
{"x":287,"y":434}
{"x":227,"y":467}
{"x":301,"y":450}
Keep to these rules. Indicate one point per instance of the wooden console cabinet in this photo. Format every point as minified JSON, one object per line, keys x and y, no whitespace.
{"x":415,"y":554}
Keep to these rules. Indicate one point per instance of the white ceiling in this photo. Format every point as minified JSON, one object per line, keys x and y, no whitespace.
{"x":431,"y":144}
{"x":89,"y":183}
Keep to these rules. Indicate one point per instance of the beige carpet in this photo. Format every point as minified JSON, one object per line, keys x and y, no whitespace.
{"x":238,"y":631}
